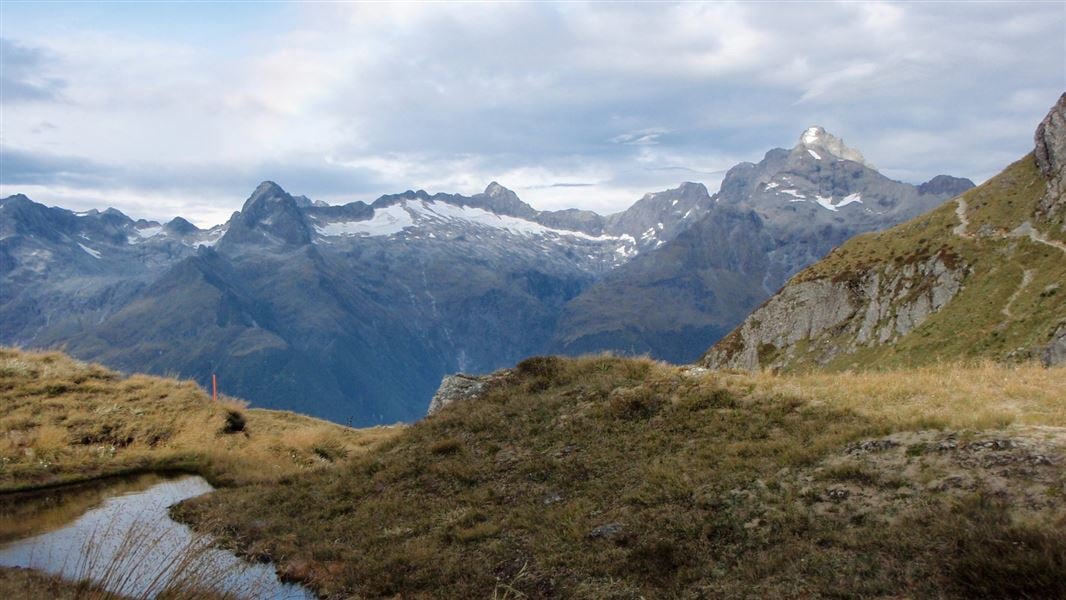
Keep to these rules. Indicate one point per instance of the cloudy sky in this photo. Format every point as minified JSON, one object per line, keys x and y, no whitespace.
{"x":162,"y":109}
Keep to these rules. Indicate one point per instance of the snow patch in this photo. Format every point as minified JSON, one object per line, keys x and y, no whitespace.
{"x":394,"y":219}
{"x":140,"y":235}
{"x":213,"y":236}
{"x":825,"y":202}
{"x":810,"y":136}
{"x":814,"y":154}
{"x":856,"y":197}
{"x":385,"y":221}
{"x":89,"y":251}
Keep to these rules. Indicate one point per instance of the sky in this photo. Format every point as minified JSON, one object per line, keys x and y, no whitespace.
{"x":162,"y":109}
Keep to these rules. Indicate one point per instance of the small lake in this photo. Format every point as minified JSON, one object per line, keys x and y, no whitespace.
{"x":120,"y":535}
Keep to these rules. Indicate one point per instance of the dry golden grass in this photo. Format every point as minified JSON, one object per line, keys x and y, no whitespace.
{"x":982,"y":395}
{"x":62,"y":420}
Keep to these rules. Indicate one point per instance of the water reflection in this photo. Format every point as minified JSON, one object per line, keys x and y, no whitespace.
{"x":125,"y":540}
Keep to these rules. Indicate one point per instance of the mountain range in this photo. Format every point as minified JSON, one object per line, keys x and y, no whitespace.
{"x":355,"y":312}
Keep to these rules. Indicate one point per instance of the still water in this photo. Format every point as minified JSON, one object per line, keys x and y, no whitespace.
{"x":121,"y":536}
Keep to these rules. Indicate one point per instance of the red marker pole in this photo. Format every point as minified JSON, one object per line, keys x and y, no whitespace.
{"x":214,"y":387}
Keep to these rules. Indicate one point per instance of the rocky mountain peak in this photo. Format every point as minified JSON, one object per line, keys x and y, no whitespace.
{"x":267,"y":192}
{"x":270,"y":210}
{"x":495,"y":190}
{"x":945,"y":185}
{"x":817,"y":141}
{"x":503,"y":201}
{"x":15,"y":199}
{"x":180,"y":226}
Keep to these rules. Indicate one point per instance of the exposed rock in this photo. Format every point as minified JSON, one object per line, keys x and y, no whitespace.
{"x":693,"y":371}
{"x":1051,"y":140}
{"x":837,"y":494}
{"x":867,"y":446}
{"x":1054,"y":353}
{"x":945,"y":185}
{"x":553,"y":497}
{"x":1019,"y":465}
{"x":863,"y":309}
{"x":1051,"y":158}
{"x":819,"y":140}
{"x":607,"y":531}
{"x":454,"y":388}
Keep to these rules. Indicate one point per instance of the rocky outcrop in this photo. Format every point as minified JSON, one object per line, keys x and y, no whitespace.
{"x":1054,"y":354}
{"x":454,"y":388}
{"x":1051,"y":158}
{"x":826,"y":317}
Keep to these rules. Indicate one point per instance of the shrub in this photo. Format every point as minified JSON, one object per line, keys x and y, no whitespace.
{"x":445,"y":446}
{"x":547,"y":367}
{"x":234,"y":422}
{"x":634,"y":403}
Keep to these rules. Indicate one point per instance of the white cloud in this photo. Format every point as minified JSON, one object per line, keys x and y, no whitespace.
{"x":347,"y":101}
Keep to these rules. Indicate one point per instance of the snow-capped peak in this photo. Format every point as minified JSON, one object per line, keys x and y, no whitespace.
{"x":811,"y":135}
{"x":820,"y":144}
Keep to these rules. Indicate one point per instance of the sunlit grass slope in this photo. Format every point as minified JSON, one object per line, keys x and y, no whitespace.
{"x":1013,"y":298}
{"x":62,"y":420}
{"x":603,"y":477}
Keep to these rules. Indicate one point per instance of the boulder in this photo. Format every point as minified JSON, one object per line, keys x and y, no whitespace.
{"x":457,"y":387}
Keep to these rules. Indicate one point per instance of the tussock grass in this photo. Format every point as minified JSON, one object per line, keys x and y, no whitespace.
{"x":603,"y":477}
{"x":977,"y":395}
{"x":62,"y":420}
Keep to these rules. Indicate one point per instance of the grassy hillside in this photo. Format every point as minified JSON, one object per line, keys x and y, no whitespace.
{"x":63,"y":420}
{"x":1012,"y":300}
{"x":603,"y":477}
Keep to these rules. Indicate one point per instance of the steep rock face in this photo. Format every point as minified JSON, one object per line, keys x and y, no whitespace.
{"x":839,"y":315}
{"x":270,"y":215}
{"x":657,"y":218}
{"x":1054,"y":354}
{"x":978,"y":277}
{"x":1051,"y":158}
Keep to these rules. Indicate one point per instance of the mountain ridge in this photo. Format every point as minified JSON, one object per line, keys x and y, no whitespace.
{"x":324,"y":308}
